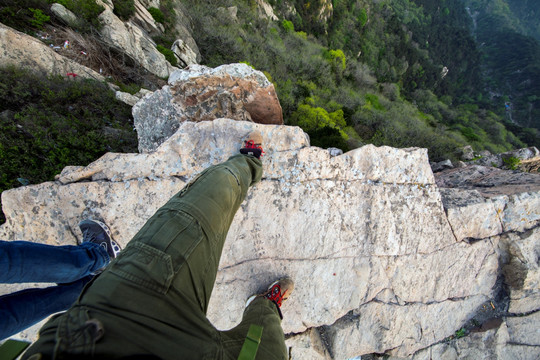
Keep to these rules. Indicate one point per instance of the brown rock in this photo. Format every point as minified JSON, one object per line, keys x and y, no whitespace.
{"x":199,"y":93}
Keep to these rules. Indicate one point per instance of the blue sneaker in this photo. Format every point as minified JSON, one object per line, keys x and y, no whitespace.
{"x":98,"y":233}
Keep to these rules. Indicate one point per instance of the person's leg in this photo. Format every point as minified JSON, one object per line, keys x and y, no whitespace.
{"x":264,"y":313}
{"x":153,"y":298}
{"x":23,"y":261}
{"x":25,"y":308}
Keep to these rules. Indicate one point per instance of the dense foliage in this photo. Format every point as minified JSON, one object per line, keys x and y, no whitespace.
{"x":374,"y":71}
{"x":47,"y":123}
{"x":510,"y":33}
{"x":23,"y":14}
{"x":124,"y":8}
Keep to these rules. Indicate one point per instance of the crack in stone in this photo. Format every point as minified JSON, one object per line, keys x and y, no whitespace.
{"x":331,"y":257}
{"x":522,"y":344}
{"x":361,"y":181}
{"x":518,"y":315}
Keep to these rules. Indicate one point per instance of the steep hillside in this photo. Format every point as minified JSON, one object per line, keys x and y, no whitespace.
{"x":402,"y":73}
{"x":509,"y":39}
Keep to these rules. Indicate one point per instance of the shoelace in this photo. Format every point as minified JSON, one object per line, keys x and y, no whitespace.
{"x":250,"y":144}
{"x":89,"y":236}
{"x":275,"y":295}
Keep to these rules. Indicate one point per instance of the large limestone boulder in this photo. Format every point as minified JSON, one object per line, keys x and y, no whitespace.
{"x":135,"y":42}
{"x":64,"y":14}
{"x":144,"y":19}
{"x":184,"y":29}
{"x":27,"y":52}
{"x":200,"y":93}
{"x":266,"y":11}
{"x":365,"y":235}
{"x":185,"y":55}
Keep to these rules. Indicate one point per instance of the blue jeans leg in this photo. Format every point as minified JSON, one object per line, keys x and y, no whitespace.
{"x":23,"y":261}
{"x":25,"y":308}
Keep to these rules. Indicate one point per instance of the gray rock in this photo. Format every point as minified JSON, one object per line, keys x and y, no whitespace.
{"x":471,"y":216}
{"x":145,"y":20}
{"x":135,"y":42}
{"x":126,"y":98}
{"x":467,"y":153}
{"x":335,"y":151}
{"x":522,"y":154}
{"x":524,"y":330}
{"x":442,"y":165}
{"x":143,"y":92}
{"x":265,"y":10}
{"x":488,"y":181}
{"x":370,"y":227}
{"x":228,"y":14}
{"x":183,"y":53}
{"x":64,"y":14}
{"x":27,"y":52}
{"x":184,"y":30}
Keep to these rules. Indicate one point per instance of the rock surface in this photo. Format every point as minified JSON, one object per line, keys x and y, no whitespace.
{"x":200,"y":93}
{"x":26,"y":52}
{"x":185,"y":55}
{"x":266,"y":11}
{"x":64,"y":14}
{"x":370,"y":227}
{"x":488,"y":181}
{"x":132,"y":40}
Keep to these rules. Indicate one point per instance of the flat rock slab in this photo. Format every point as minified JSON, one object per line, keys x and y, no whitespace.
{"x":364,"y":235}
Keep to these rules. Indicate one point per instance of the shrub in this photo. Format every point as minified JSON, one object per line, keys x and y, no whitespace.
{"x":47,"y":123}
{"x":287,"y":25}
{"x":169,"y":54}
{"x":326,"y":137}
{"x":336,"y":56}
{"x":157,"y":15}
{"x":39,"y":18}
{"x":362,"y":18}
{"x":24,"y":15}
{"x":373,"y":100}
{"x":469,"y":134}
{"x":511,"y":162}
{"x":88,"y":10}
{"x":124,"y":8}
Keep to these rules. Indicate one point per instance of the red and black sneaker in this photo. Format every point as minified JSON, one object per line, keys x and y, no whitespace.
{"x":253,"y":145}
{"x":278,"y":292}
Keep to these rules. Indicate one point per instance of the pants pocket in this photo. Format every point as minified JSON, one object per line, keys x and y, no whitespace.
{"x":159,"y":251}
{"x":146,"y":266}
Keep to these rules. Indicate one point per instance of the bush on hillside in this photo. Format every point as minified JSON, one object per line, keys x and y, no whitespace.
{"x":157,"y":15}
{"x":169,"y":54}
{"x":87,"y":10}
{"x":47,"y":123}
{"x":124,"y":9}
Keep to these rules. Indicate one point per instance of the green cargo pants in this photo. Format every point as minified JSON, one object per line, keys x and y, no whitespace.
{"x":151,"y":301}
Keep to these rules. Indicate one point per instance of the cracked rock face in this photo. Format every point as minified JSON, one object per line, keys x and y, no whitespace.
{"x":383,"y":261}
{"x":199,"y":93}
